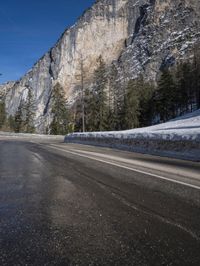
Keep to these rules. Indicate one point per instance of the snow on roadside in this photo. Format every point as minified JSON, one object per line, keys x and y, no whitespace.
{"x":183,"y":128}
{"x":178,"y":138}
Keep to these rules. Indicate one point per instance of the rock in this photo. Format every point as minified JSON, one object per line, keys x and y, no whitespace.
{"x":138,"y":36}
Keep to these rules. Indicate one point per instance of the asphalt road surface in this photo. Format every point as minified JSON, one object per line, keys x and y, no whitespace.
{"x":67,"y":204}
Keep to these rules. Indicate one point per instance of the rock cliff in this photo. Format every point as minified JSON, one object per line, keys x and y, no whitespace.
{"x":138,"y":36}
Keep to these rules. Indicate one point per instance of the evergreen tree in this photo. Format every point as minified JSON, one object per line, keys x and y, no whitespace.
{"x":78,"y":115}
{"x":80,"y":123}
{"x":18,"y":119}
{"x":90,"y":111}
{"x":138,"y":109}
{"x":131,"y":105}
{"x":146,"y":109}
{"x":60,"y":123}
{"x":90,"y":106}
{"x":114,"y":100}
{"x":181,"y":88}
{"x":196,"y":75}
{"x":11,"y":123}
{"x":99,"y":98}
{"x":2,"y":113}
{"x":23,"y":121}
{"x":165,"y":96}
{"x":29,"y":109}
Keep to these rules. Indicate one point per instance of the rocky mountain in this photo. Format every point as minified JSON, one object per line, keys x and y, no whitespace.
{"x":137,"y":36}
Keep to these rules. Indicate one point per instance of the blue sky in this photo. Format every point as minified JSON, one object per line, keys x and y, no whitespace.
{"x":28,"y":28}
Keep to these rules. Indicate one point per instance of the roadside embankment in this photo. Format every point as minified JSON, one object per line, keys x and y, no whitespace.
{"x":183,"y":149}
{"x":179,"y":138}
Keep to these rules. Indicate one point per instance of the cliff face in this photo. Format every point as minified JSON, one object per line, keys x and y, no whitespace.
{"x":165,"y":33}
{"x":137,"y":36}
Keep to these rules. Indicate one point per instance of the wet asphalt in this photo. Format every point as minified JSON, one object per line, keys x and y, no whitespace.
{"x":58,"y":209}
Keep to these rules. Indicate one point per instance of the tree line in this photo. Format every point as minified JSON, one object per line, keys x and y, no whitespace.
{"x":23,"y":120}
{"x":111,"y":105}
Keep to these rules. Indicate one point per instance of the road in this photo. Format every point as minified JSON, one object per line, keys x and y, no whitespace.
{"x":69,"y":204}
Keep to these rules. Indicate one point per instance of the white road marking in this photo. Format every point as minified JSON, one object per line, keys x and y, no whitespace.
{"x":129,"y":168}
{"x":168,"y":168}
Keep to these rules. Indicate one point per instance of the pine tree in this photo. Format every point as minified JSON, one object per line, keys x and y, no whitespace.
{"x":2,"y":113}
{"x":131,"y":105}
{"x":90,"y":110}
{"x":80,"y":110}
{"x":185,"y":92}
{"x":165,"y":96}
{"x":11,"y":123}
{"x":29,"y":109}
{"x":89,"y":107}
{"x":114,"y":99}
{"x":60,"y":123}
{"x":18,"y":119}
{"x":78,"y":116}
{"x":146,"y":108}
{"x":180,"y":90}
{"x":196,"y":75}
{"x":99,"y":97}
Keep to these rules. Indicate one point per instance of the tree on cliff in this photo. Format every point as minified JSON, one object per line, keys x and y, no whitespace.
{"x":60,"y":123}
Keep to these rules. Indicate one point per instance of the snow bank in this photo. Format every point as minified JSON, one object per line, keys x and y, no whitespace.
{"x":180,"y":135}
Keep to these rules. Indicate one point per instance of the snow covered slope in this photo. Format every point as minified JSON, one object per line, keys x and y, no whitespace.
{"x":178,"y":138}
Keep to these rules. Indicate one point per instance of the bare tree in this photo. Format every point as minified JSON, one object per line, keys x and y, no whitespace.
{"x":82,"y":77}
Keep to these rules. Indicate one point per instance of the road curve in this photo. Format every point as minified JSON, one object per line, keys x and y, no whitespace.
{"x":69,"y":204}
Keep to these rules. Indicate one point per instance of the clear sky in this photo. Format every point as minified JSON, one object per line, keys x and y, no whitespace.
{"x":28,"y":28}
